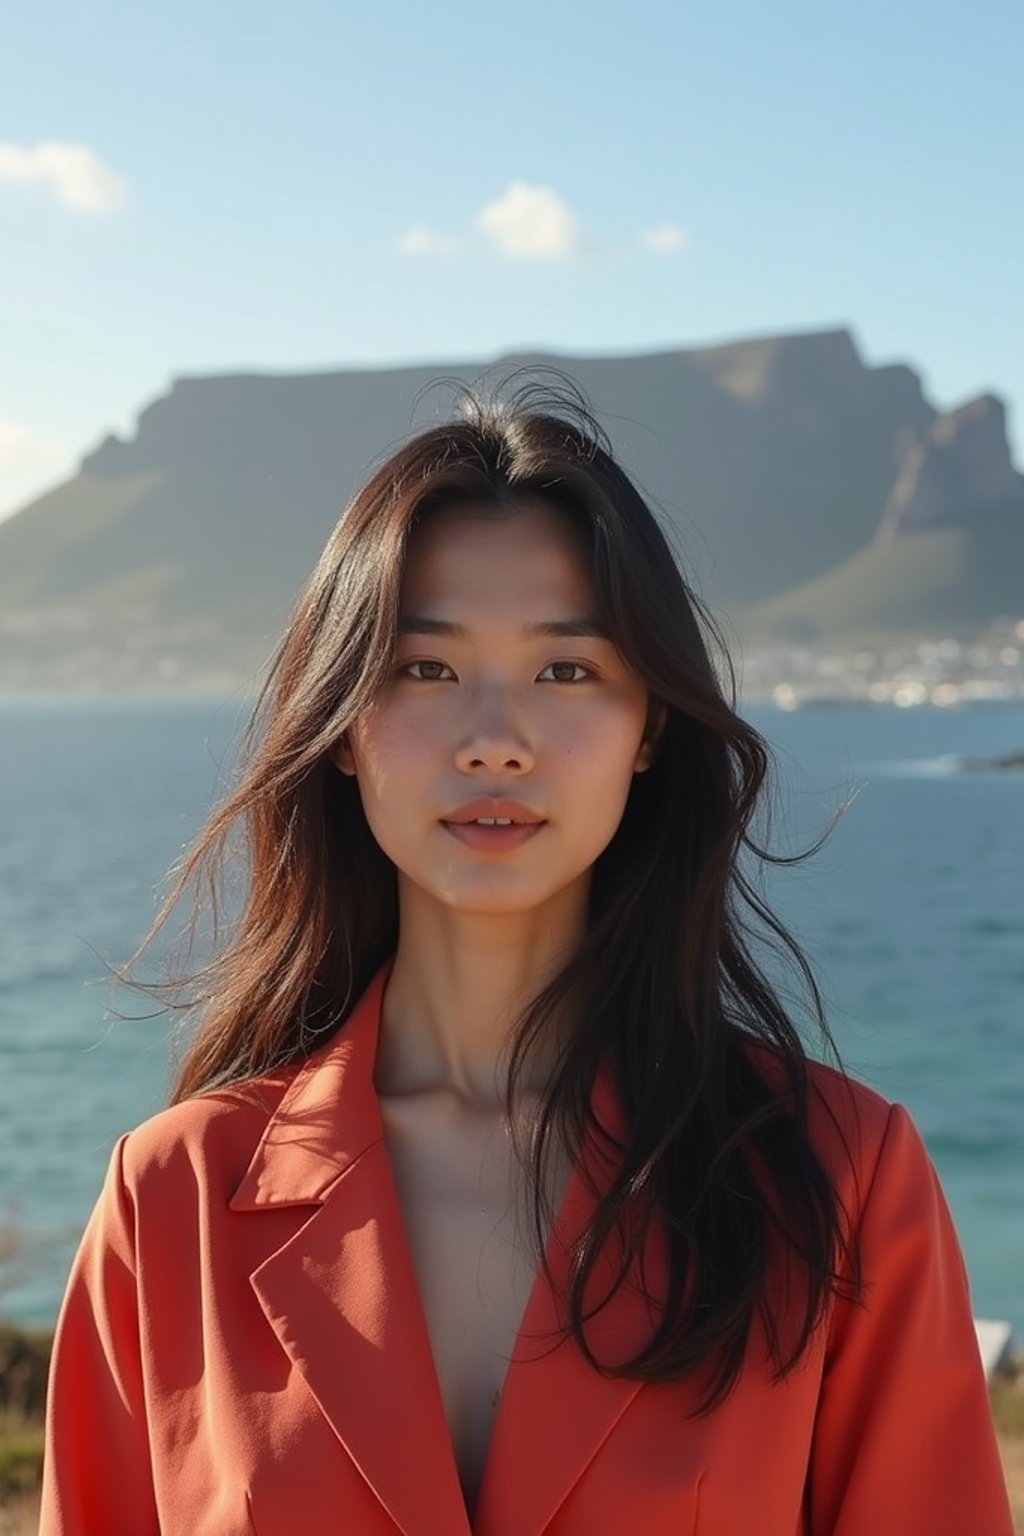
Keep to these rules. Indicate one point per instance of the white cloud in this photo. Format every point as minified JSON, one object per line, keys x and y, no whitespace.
{"x":529,"y":223}
{"x":664,"y":238}
{"x":73,"y":174}
{"x":19,"y":446}
{"x":421,"y":241}
{"x":29,"y":464}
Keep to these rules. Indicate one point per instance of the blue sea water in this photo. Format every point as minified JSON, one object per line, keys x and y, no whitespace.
{"x":912,"y":914}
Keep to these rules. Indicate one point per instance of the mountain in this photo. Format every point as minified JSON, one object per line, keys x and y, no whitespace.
{"x":779,"y":464}
{"x":948,"y":554}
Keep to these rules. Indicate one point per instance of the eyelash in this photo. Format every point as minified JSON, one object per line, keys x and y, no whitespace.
{"x":428,"y":661}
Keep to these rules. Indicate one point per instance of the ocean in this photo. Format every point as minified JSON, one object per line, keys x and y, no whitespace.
{"x":912,"y":915}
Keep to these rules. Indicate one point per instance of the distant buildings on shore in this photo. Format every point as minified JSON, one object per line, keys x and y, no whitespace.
{"x":945,"y":672}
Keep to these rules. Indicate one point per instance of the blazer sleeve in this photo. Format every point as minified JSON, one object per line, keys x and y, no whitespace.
{"x":904,"y":1440}
{"x":96,"y":1468}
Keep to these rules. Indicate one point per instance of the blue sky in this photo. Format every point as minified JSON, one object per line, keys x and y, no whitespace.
{"x":210,"y":188}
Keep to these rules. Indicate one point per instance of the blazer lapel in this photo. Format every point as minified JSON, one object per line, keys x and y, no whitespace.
{"x":342,"y":1297}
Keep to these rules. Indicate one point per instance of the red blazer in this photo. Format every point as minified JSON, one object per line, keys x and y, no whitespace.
{"x":242,"y":1349}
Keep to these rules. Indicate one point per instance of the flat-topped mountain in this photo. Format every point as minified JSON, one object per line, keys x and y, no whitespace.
{"x":779,"y":463}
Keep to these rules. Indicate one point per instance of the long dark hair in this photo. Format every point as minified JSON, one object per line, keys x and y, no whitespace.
{"x":663,"y":984}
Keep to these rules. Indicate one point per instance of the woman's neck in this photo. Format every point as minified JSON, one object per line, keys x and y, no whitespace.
{"x":459,"y":982}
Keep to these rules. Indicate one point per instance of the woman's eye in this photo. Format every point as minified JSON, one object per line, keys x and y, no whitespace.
{"x":431,"y":677}
{"x":578,"y":665}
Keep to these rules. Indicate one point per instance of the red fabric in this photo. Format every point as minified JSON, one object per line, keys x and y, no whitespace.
{"x":242,"y":1348}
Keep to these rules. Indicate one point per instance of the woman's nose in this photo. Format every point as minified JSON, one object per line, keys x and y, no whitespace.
{"x":495,"y":735}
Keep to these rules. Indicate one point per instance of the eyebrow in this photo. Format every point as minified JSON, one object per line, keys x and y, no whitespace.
{"x":584,"y":625}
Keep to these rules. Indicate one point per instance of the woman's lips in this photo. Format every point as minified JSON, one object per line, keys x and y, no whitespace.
{"x":493,"y":839}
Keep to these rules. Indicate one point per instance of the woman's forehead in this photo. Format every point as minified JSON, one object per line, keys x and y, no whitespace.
{"x":533,"y":557}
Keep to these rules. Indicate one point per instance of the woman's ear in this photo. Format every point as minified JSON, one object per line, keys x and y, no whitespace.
{"x":341,"y":756}
{"x":644,"y":757}
{"x":656,"y":718}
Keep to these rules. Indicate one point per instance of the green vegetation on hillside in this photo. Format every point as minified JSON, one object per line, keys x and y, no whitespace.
{"x":933,"y":581}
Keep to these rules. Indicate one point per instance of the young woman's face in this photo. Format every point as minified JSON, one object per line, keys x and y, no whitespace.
{"x":494,"y":707}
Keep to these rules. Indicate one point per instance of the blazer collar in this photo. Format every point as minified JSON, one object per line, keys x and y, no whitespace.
{"x":327,"y":1117}
{"x":342,"y":1297}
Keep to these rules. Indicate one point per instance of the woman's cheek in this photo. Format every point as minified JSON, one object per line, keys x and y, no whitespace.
{"x":390,"y":745}
{"x":606,"y":734}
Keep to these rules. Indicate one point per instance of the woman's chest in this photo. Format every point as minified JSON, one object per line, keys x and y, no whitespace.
{"x":461,"y":1190}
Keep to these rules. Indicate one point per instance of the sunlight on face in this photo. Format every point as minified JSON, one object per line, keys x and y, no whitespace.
{"x":555,"y":722}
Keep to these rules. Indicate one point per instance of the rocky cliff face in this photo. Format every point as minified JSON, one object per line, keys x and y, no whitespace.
{"x":958,"y":467}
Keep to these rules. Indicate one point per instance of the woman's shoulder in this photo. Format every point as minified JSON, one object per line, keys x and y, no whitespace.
{"x":848,"y":1121}
{"x":209,"y":1137}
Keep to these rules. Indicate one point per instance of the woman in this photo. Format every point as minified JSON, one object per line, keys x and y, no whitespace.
{"x":496,"y":1191}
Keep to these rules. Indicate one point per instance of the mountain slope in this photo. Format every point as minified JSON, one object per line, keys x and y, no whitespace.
{"x":951,"y":580}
